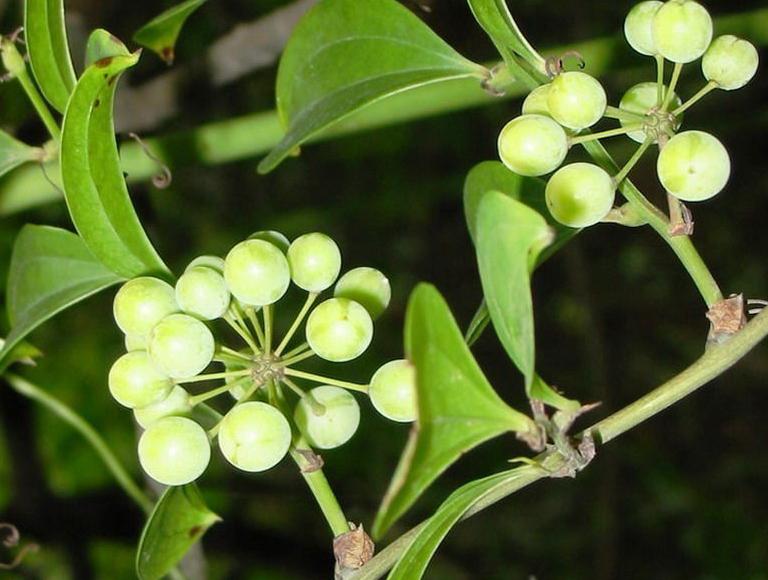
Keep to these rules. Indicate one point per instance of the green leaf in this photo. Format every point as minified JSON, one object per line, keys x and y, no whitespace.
{"x":46,"y":38}
{"x":51,"y":269}
{"x":103,"y":44}
{"x":346,"y":54}
{"x":160,"y":34}
{"x":179,"y":519}
{"x":458,"y":408}
{"x":94,"y":186}
{"x":14,"y":153}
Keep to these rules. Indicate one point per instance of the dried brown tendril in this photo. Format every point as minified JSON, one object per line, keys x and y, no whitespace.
{"x":10,"y":539}
{"x":165,"y":177}
{"x":554,"y":65}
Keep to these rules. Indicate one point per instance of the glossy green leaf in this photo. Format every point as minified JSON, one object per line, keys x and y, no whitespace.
{"x":179,"y":519}
{"x":14,"y":153}
{"x":346,"y":54}
{"x":103,"y":44}
{"x":458,"y":408}
{"x":51,"y":269}
{"x":46,"y":38}
{"x":94,"y":186}
{"x":160,"y":34}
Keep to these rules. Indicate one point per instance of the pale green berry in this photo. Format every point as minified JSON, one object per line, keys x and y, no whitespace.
{"x":532,"y":145}
{"x":213,"y":262}
{"x":202,"y":292}
{"x":366,"y":286}
{"x":175,"y":404}
{"x":339,"y":330}
{"x":642,"y":98}
{"x":135,"y":342}
{"x":576,"y":100}
{"x":580,"y":194}
{"x":393,"y":391}
{"x":135,"y":380}
{"x":730,"y":62}
{"x":174,"y":451}
{"x":257,"y":272}
{"x":536,"y":101}
{"x":682,"y":30}
{"x":638,"y":29}
{"x":273,"y":237}
{"x":254,"y":436}
{"x":327,"y":416}
{"x":181,"y":346}
{"x":315,"y":262}
{"x":141,"y":303}
{"x":693,"y":166}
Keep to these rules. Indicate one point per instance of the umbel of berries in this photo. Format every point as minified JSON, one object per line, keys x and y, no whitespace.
{"x":175,"y":334}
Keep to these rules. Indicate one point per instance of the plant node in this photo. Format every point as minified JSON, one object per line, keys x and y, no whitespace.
{"x":352,"y":550}
{"x":726,"y":317}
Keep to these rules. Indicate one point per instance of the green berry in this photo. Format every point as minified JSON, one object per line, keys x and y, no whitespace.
{"x":366,"y":286}
{"x":174,"y":451}
{"x":254,"y":436}
{"x":642,"y":98}
{"x":273,"y":237}
{"x":213,"y":262}
{"x":576,"y":100}
{"x":175,"y":404}
{"x":135,"y":342}
{"x":638,"y":27}
{"x":393,"y":391}
{"x":181,"y":346}
{"x":141,"y":303}
{"x":257,"y":272}
{"x":315,"y":262}
{"x":532,"y":145}
{"x":730,"y":62}
{"x":135,"y":381}
{"x":339,"y":330}
{"x":580,"y":194}
{"x":536,"y":101}
{"x":682,"y":30}
{"x":327,"y":416}
{"x":202,"y":292}
{"x":693,"y":166}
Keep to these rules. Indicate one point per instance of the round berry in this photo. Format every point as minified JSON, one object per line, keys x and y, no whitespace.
{"x":273,"y":237}
{"x":366,"y":286}
{"x":135,"y":381}
{"x":730,"y":62}
{"x":682,"y":30}
{"x":174,"y":451}
{"x":213,"y":262}
{"x":580,"y":195}
{"x":257,"y":272}
{"x":254,"y":436}
{"x":175,"y":404}
{"x":181,"y":346}
{"x":693,"y":166}
{"x":141,"y":303}
{"x":637,"y":27}
{"x":315,"y":262}
{"x":536,"y":101}
{"x":532,"y":145}
{"x":393,"y":391}
{"x":135,"y":342}
{"x":339,"y":330}
{"x":202,"y":292}
{"x":327,"y":416}
{"x":576,"y":100}
{"x":642,"y":98}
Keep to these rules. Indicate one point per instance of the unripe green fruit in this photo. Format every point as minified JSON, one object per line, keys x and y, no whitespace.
{"x":202,"y":292}
{"x":730,"y":62}
{"x":174,"y":451}
{"x":327,"y":416}
{"x":693,"y":166}
{"x":682,"y":30}
{"x":175,"y":404}
{"x":141,"y":303}
{"x":641,"y":99}
{"x":576,"y":100}
{"x":532,"y":145}
{"x":275,"y":238}
{"x":257,"y":272}
{"x":254,"y":436}
{"x":315,"y":262}
{"x":366,"y":286}
{"x":638,"y":27}
{"x":393,"y":391}
{"x":135,"y":381}
{"x":212,"y":262}
{"x":181,"y":346}
{"x":536,"y":101}
{"x":580,"y":195}
{"x":135,"y":342}
{"x":339,"y":330}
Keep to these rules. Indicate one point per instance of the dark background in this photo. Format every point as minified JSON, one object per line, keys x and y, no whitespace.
{"x":683,"y":496}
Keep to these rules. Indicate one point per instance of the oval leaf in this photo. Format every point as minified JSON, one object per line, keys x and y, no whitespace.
{"x":179,"y":519}
{"x":51,"y":269}
{"x":458,"y":408}
{"x":94,"y":186}
{"x":160,"y":34}
{"x":14,"y":153}
{"x":46,"y":38}
{"x":103,"y":44}
{"x":346,"y":54}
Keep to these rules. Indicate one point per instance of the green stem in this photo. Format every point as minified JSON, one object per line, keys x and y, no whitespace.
{"x":234,"y":354}
{"x":304,"y":346}
{"x":27,"y":389}
{"x":622,"y":114}
{"x":659,"y":80}
{"x":214,"y":376}
{"x":326,"y":380}
{"x":603,"y":134}
{"x":203,"y":397}
{"x":267,"y":312}
{"x":621,"y":175}
{"x":297,"y":358}
{"x":251,"y":314}
{"x":705,"y":90}
{"x":299,"y":317}
{"x":232,"y":319}
{"x":293,"y":386}
{"x":672,"y":86}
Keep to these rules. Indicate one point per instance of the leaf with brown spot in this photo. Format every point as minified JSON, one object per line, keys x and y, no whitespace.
{"x":160,"y":34}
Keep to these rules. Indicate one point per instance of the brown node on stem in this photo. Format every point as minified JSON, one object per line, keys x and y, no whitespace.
{"x":352,"y":549}
{"x":314,"y":461}
{"x":487,"y":83}
{"x":726,"y":317}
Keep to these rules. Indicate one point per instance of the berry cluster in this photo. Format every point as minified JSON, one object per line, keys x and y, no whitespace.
{"x":170,"y":343}
{"x":692,"y":165}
